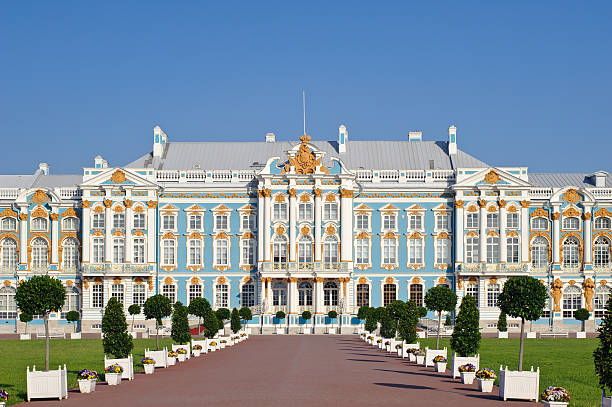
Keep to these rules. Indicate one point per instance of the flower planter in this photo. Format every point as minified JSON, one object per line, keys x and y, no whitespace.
{"x":159,"y":356}
{"x":457,"y":361}
{"x":196,"y":352}
{"x":181,"y":357}
{"x":502,"y":335}
{"x":554,"y":403}
{"x":485,"y":385}
{"x":519,"y":385}
{"x":44,"y":385}
{"x":467,"y":377}
{"x":307,"y":330}
{"x":25,"y":337}
{"x":112,"y":379}
{"x":87,"y":385}
{"x":127,"y":364}
{"x":407,"y":346}
{"x":203,"y":343}
{"x":149,"y":368}
{"x":430,"y":354}
{"x":581,"y":335}
{"x":75,"y":335}
{"x":440,"y":367}
{"x":411,"y":357}
{"x":420,"y":360}
{"x":531,"y":335}
{"x":171,"y":361}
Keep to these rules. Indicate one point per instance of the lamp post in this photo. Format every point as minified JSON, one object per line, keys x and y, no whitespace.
{"x":550,"y":298}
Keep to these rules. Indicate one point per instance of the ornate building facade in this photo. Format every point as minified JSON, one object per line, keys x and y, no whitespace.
{"x":308,"y":225}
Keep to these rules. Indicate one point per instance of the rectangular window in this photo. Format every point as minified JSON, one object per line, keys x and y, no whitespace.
{"x":493,"y":291}
{"x":415,"y":222}
{"x":512,"y":250}
{"x":472,"y":221}
{"x":363,"y":295}
{"x":195,"y":222}
{"x":98,"y":221}
{"x":119,"y":221}
{"x":139,"y":221}
{"x":118,"y":292}
{"x":97,"y":296}
{"x":415,"y":251}
{"x":98,"y":250}
{"x":389,"y":222}
{"x":442,"y":251}
{"x":249,"y":222}
{"x":512,"y":220}
{"x":221,"y":222}
{"x":221,"y":296}
{"x":539,"y":223}
{"x":139,"y":250}
{"x":493,"y":249}
{"x":168,"y":222}
{"x":247,"y":298}
{"x":139,"y":294}
{"x":169,"y":291}
{"x":362,"y":222}
{"x":492,"y":221}
{"x":442,"y":222}
{"x":362,"y":251}
{"x":222,"y":258}
{"x":168,"y":252}
{"x":118,"y":250}
{"x":389,"y":251}
{"x":305,"y":211}
{"x":330,"y":211}
{"x":279,"y":211}
{"x":248,"y":252}
{"x":195,"y":252}
{"x":472,"y":289}
{"x":195,"y":291}
{"x":416,"y":294}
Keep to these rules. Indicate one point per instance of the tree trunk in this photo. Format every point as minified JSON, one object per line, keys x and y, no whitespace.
{"x":157,"y":336}
{"x":133,"y":322}
{"x":199,"y":326}
{"x":439,"y":327}
{"x":46,"y":322}
{"x":520,"y":366}
{"x":26,"y":328}
{"x":74,"y":326}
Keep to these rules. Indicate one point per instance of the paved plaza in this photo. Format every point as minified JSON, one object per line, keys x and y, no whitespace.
{"x":289,"y":371}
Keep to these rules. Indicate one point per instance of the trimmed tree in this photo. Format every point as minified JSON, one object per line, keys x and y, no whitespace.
{"x":180,"y":324}
{"x":332,"y":314}
{"x":447,"y":321}
{"x":25,"y":318}
{"x":41,"y":295}
{"x":371,"y":320}
{"x":223,"y":314}
{"x":603,"y":353}
{"x":73,"y":317}
{"x":387,"y":324}
{"x":362,"y":313}
{"x":306,"y":315}
{"x":211,"y":323}
{"x":582,"y":314}
{"x":502,"y":324}
{"x":115,"y":338}
{"x":280,"y":315}
{"x":525,"y":298}
{"x":199,"y":307}
{"x":134,"y":310}
{"x":408,"y":322}
{"x":157,"y":307}
{"x":466,"y":334}
{"x":245,"y":314}
{"x":396,"y":309}
{"x":235,"y":324}
{"x":440,"y":299}
{"x":422,"y":312}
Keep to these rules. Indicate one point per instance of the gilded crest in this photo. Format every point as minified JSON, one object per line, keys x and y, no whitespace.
{"x":118,"y":177}
{"x":304,"y":161}
{"x":571,"y":196}
{"x":492,"y":177}
{"x":39,"y":197}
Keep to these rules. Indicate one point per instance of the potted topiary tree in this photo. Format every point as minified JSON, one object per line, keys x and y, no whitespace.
{"x":115,"y":339}
{"x":306,"y":316}
{"x":246,"y":315}
{"x":223,"y":314}
{"x":332,"y":315}
{"x":465,"y":340}
{"x":73,"y":317}
{"x":134,"y":310}
{"x":603,"y":356}
{"x":180,"y":332}
{"x":280,"y":316}
{"x":447,"y":322}
{"x":157,"y":307}
{"x":25,"y":318}
{"x":502,"y":326}
{"x":362,"y":313}
{"x":522,"y":297}
{"x":235,"y":324}
{"x":407,"y":328}
{"x":199,"y":307}
{"x":581,"y":314}
{"x":440,"y":299}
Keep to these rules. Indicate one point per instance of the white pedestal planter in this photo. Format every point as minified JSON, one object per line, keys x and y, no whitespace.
{"x":87,"y":385}
{"x":307,"y":330}
{"x":457,"y":361}
{"x":467,"y":377}
{"x":159,"y":356}
{"x":45,"y":385}
{"x":112,"y":379}
{"x":502,"y":335}
{"x":332,"y":331}
{"x":519,"y":385}
{"x":75,"y":335}
{"x":25,"y":337}
{"x":186,"y":346}
{"x":202,"y":342}
{"x":581,"y":335}
{"x":412,"y":358}
{"x":196,"y":352}
{"x":149,"y":369}
{"x":280,"y":331}
{"x":430,"y":354}
{"x":440,"y":367}
{"x":531,"y":335}
{"x":127,"y":364}
{"x":605,"y":401}
{"x":181,"y":357}
{"x":407,"y":346}
{"x":554,"y":403}
{"x":420,"y":360}
{"x":485,"y":385}
{"x":171,"y":361}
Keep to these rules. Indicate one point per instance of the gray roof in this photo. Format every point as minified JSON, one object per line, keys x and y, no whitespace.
{"x":52,"y":181}
{"x":556,"y":180}
{"x":16,"y":181}
{"x":377,"y":154}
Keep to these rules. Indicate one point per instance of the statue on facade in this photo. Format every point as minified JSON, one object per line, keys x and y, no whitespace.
{"x":589,"y":291}
{"x":342,"y":306}
{"x":557,"y":293}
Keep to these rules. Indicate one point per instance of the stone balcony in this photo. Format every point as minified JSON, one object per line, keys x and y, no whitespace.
{"x":297,"y":267}
{"x":117,"y":269}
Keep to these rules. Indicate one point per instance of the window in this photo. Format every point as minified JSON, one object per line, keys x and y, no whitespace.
{"x":389,"y":294}
{"x":98,"y":250}
{"x":493,"y":291}
{"x":389,"y":222}
{"x":389,"y":251}
{"x":539,"y":223}
{"x":118,"y":292}
{"x":169,"y":291}
{"x":195,"y":291}
{"x":195,"y":222}
{"x":330,"y":294}
{"x":139,"y":250}
{"x":97,"y":296}
{"x":71,"y":302}
{"x":305,"y":211}
{"x":416,"y":294}
{"x":98,"y":220}
{"x":539,"y":252}
{"x":249,"y":222}
{"x":330,"y":211}
{"x":279,"y":294}
{"x":443,"y":251}
{"x":168,"y":222}
{"x":248,"y":252}
{"x":247,"y":297}
{"x":9,"y":224}
{"x":472,"y":221}
{"x":139,"y":220}
{"x":279,"y":249}
{"x":492,"y":249}
{"x":492,"y":220}
{"x":512,"y":250}
{"x":442,"y":221}
{"x":571,"y":301}
{"x":330,"y":250}
{"x":363,"y":295}
{"x":222,"y":252}
{"x":471,"y":250}
{"x":168,"y":252}
{"x":362,"y":222}
{"x":472,"y":289}
{"x":600,"y":223}
{"x":195,"y":252}
{"x":304,"y":294}
{"x":9,"y":253}
{"x":118,"y":250}
{"x":40,"y":253}
{"x":571,"y":252}
{"x":221,"y":296}
{"x":415,"y":222}
{"x":119,"y":220}
{"x":415,"y":251}
{"x":305,"y":249}
{"x":601,"y":252}
{"x":39,"y":224}
{"x":70,"y":224}
{"x":221,"y":222}
{"x":512,"y":220}
{"x":279,"y":211}
{"x":571,"y":223}
{"x":8,"y":305}
{"x":362,"y":251}
{"x":70,"y":254}
{"x":602,"y":296}
{"x":139,"y":294}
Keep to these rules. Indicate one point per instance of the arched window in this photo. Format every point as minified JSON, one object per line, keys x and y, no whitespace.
{"x":139,"y":294}
{"x":279,"y":249}
{"x":493,"y":291}
{"x":169,"y":291}
{"x":247,"y":297}
{"x":168,"y":252}
{"x":248,"y":252}
{"x":602,"y":296}
{"x":9,"y":224}
{"x":415,"y":251}
{"x":512,"y":253}
{"x":472,"y":289}
{"x":221,"y":296}
{"x":572,"y":300}
{"x":571,"y":252}
{"x":195,"y":222}
{"x":305,"y":249}
{"x":305,"y":294}
{"x":195,"y":252}
{"x":39,"y":224}
{"x":472,"y":250}
{"x":539,"y":252}
{"x":279,"y":294}
{"x":362,"y":251}
{"x":539,"y":223}
{"x":8,"y":306}
{"x":416,"y":294}
{"x":71,"y":303}
{"x":571,"y":223}
{"x":119,"y":220}
{"x":70,"y":224}
{"x":222,"y":252}
{"x":195,"y":291}
{"x":330,"y":294}
{"x":70,"y":254}
{"x":9,"y":253}
{"x":118,"y":250}
{"x":389,"y":294}
{"x":330,"y":250}
{"x":40,"y":254}
{"x":492,"y":249}
{"x":389,"y":251}
{"x":443,"y":251}
{"x":363,"y":295}
{"x":601,"y":252}
{"x":139,"y":250}
{"x":138,"y":220}
{"x":602,"y":223}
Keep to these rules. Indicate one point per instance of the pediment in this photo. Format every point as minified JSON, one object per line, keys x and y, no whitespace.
{"x":119,"y":177}
{"x":492,"y":177}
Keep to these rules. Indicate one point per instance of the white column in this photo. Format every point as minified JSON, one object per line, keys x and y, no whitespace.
{"x":151,"y":231}
{"x":555,"y":237}
{"x":503,"y":248}
{"x":85,"y":222}
{"x":266,"y":228}
{"x":525,"y":232}
{"x":588,"y":238}
{"x":317,"y":231}
{"x":318,"y":291}
{"x":458,"y":231}
{"x":292,"y":224}
{"x":54,"y":237}
{"x":108,"y":238}
{"x":260,"y":227}
{"x":129,"y":255}
{"x":346,"y":214}
{"x":293,"y":301}
{"x":483,"y":231}
{"x":23,"y":236}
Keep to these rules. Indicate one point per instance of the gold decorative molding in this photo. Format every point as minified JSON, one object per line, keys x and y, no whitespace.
{"x":491,"y":178}
{"x":512,"y":209}
{"x":248,"y":235}
{"x":54,"y":217}
{"x":118,"y":176}
{"x":128,"y":203}
{"x":139,"y":209}
{"x":221,"y":235}
{"x":292,"y":192}
{"x":346,"y":193}
{"x":492,"y":208}
{"x":69,"y":283}
{"x":571,"y":212}
{"x":362,"y":280}
{"x":330,"y":198}
{"x":267,"y":193}
{"x":23,"y":216}
{"x":362,"y":235}
{"x":539,"y":212}
{"x":472,"y":233}
{"x":150,"y":281}
{"x":138,"y":280}
{"x":305,"y":230}
{"x":8,"y":213}
{"x":98,"y":232}
{"x":168,"y":235}
{"x":492,"y":233}
{"x":472,"y":208}
{"x":330,"y":230}
{"x":85,"y":204}
{"x":389,"y":280}
{"x":588,"y":290}
{"x":571,"y":196}
{"x":556,"y":215}
{"x":415,"y":235}
{"x":416,"y":280}
{"x":586,"y":216}
{"x":572,"y":282}
{"x":442,"y":280}
{"x":482,"y":203}
{"x":317,"y":192}
{"x":221,"y":280}
{"x":279,"y":198}
{"x":304,"y":198}
{"x":473,"y":280}
{"x":442,"y":235}
{"x":304,"y":161}
{"x":194,"y":281}
{"x":107,"y":203}
{"x":459,"y":204}
{"x":7,"y":283}
{"x":603,"y":282}
{"x":415,"y":266}
{"x":603,"y":212}
{"x":39,"y":212}
{"x":280,"y":230}
{"x":512,"y":233}
{"x":98,"y":209}
{"x":501,"y":203}
{"x":196,"y":235}
{"x":117,"y":280}
{"x":118,"y":208}
{"x":152,"y":204}
{"x":493,"y":280}
{"x":98,"y":280}
{"x":247,"y":280}
{"x":39,"y":197}
{"x":168,"y":280}
{"x":70,"y":213}
{"x":524,"y":204}
{"x":118,"y":233}
{"x":86,"y":282}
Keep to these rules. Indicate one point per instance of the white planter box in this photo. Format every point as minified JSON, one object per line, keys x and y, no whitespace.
{"x":519,"y":385}
{"x":502,"y":335}
{"x":87,"y":385}
{"x":181,"y":357}
{"x":331,"y":331}
{"x":280,"y":331}
{"x":196,"y":352}
{"x":457,"y":361}
{"x":407,"y":346}
{"x":25,"y":337}
{"x":412,"y":358}
{"x":467,"y":377}
{"x":45,"y":385}
{"x":307,"y":330}
{"x":202,"y":342}
{"x":485,"y":385}
{"x":440,"y":367}
{"x":420,"y":360}
{"x":171,"y":361}
{"x":75,"y":335}
{"x":112,"y":379}
{"x":186,"y":346}
{"x":581,"y":335}
{"x":531,"y":335}
{"x":605,"y":401}
{"x":554,"y":403}
{"x":149,"y":369}
{"x":126,"y":363}
{"x":159,"y":356}
{"x":430,"y":354}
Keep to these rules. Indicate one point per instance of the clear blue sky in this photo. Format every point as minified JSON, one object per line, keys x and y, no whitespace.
{"x":526,"y":83}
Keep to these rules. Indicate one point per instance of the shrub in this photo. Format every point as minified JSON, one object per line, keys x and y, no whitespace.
{"x":306,"y":315}
{"x":371,"y":320}
{"x":180,"y":324}
{"x":603,"y":353}
{"x":440,"y":299}
{"x":408,"y":322}
{"x":199,"y":307}
{"x":448,"y":322}
{"x":211,"y":323}
{"x":245,"y":314}
{"x":422,"y":312}
{"x":115,"y":338}
{"x":235,"y":321}
{"x":582,"y":314}
{"x":223,"y":314}
{"x":466,"y":335}
{"x":280,"y":315}
{"x":332,"y":314}
{"x":362,"y":313}
{"x":387,"y":324}
{"x":502,"y":324}
{"x":134,"y":310}
{"x":157,"y":307}
{"x":73,"y":317}
{"x":25,"y":318}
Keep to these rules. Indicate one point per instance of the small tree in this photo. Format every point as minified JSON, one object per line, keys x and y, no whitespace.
{"x":525,"y":298}
{"x":223,"y":314}
{"x":387,"y":324}
{"x":502,"y":324}
{"x":582,"y":314}
{"x":199,"y":307}
{"x":440,"y":299}
{"x":280,"y":315}
{"x":211,"y":323}
{"x":466,"y":334}
{"x":396,"y":309}
{"x":408,"y":322}
{"x":25,"y":318}
{"x":157,"y":307}
{"x":422,"y":312}
{"x":115,"y":338}
{"x":41,"y":295}
{"x":235,"y":321}
{"x":371,"y":320}
{"x":180,"y":324}
{"x":447,"y":321}
{"x":245,"y":314}
{"x":332,"y":314}
{"x":362,"y":313}
{"x":134,"y":310}
{"x":306,"y":315}
{"x":73,"y":317}
{"x":603,"y":353}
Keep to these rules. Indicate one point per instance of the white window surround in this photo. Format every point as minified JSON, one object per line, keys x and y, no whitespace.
{"x":195,"y":251}
{"x":248,"y":221}
{"x":195,"y":222}
{"x":415,"y":251}
{"x":442,"y":221}
{"x":367,"y":247}
{"x":70,"y":224}
{"x":363,"y":222}
{"x":216,"y":298}
{"x":251,"y":256}
{"x":168,"y":252}
{"x":392,"y":242}
{"x":168,"y":222}
{"x":472,"y":220}
{"x":39,"y":224}
{"x":222,"y":251}
{"x":570,"y":223}
{"x":330,"y":211}
{"x":445,"y":244}
{"x":305,"y":211}
{"x":415,"y":221}
{"x":389,"y":221}
{"x":601,"y":222}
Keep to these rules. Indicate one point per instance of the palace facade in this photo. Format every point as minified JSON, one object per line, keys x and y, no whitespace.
{"x":308,"y":225}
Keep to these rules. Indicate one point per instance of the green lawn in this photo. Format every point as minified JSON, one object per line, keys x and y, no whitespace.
{"x":563,"y":362}
{"x":76,"y":354}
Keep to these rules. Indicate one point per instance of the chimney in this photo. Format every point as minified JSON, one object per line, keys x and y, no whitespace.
{"x":342,"y":138}
{"x":452,"y":140}
{"x":159,"y":139}
{"x":44,"y":168}
{"x":270,"y":138}
{"x":100,"y":162}
{"x":415,"y":136}
{"x":599,"y":178}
